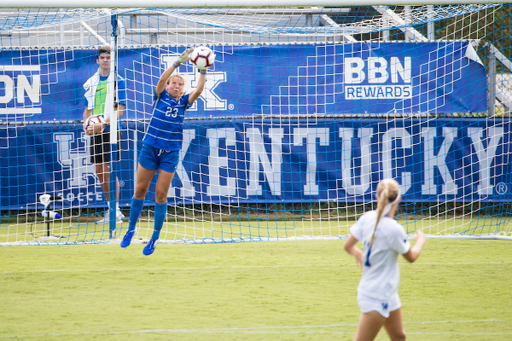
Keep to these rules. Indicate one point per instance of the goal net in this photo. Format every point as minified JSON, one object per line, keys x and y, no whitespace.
{"x":305,"y":110}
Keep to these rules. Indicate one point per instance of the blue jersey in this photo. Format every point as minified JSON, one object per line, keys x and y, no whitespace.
{"x":166,"y":126}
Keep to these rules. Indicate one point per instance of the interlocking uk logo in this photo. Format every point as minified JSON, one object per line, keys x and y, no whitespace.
{"x":211,"y":100}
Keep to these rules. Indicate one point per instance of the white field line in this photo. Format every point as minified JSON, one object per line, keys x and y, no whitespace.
{"x":320,"y":329}
{"x":241,"y":267}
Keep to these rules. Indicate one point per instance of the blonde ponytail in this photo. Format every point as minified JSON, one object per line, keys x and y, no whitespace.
{"x":388,"y":194}
{"x":382,"y":202}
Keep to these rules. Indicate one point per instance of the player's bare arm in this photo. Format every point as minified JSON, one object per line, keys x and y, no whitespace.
{"x":415,"y":251}
{"x":351,"y":249}
{"x":200,"y":87}
{"x":162,"y":82}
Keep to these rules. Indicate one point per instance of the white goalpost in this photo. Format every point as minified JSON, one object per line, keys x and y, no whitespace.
{"x":308,"y":106}
{"x":233,"y":4}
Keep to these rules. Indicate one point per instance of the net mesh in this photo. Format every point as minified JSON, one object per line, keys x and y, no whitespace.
{"x":304,"y":111}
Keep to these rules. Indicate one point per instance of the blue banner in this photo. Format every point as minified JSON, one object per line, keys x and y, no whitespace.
{"x":356,"y":78}
{"x":234,"y":161}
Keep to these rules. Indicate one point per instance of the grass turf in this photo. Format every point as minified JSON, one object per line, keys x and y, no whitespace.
{"x":296,"y":290}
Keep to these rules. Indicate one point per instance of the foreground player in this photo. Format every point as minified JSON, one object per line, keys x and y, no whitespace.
{"x":161,"y":148}
{"x":383,"y":239}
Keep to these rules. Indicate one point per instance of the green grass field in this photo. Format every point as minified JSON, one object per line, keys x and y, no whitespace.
{"x":294,"y":290}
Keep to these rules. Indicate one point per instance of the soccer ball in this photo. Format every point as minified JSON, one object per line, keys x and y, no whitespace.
{"x":202,"y":57}
{"x":91,"y":120}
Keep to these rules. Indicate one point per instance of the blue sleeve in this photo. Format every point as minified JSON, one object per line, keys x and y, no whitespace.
{"x":121,"y":91}
{"x":155,"y":96}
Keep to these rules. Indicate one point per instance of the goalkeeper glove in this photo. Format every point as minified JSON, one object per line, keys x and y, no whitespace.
{"x":185,"y":56}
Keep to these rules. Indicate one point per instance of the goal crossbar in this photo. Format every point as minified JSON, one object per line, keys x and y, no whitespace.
{"x":228,"y":3}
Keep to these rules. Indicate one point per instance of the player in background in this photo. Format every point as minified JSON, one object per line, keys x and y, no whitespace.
{"x":384,"y":239}
{"x":161,"y":147}
{"x":96,"y":100}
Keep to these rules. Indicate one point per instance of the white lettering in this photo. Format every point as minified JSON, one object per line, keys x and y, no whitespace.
{"x":215,"y":162}
{"x":431,"y":160}
{"x":187,"y":190}
{"x":377,"y":72}
{"x":257,"y":153}
{"x":377,"y":92}
{"x":31,"y":90}
{"x":311,"y":135}
{"x":347,"y":166}
{"x":387,"y":161}
{"x":403,"y":70}
{"x":353,"y":72}
{"x":91,"y":196}
{"x":8,"y":89}
{"x":485,"y":156}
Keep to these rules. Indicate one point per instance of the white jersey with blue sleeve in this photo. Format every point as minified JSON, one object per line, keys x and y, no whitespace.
{"x":381,"y":274}
{"x":165,"y":129}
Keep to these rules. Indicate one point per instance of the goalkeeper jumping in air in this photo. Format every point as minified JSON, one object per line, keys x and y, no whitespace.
{"x":161,"y":147}
{"x":383,"y":239}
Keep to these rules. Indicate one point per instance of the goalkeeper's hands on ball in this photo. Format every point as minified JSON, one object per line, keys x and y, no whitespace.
{"x":185,"y":57}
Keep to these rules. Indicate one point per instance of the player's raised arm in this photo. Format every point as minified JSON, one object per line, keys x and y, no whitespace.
{"x":414,"y":252}
{"x":185,"y":56}
{"x":202,"y":58}
{"x":200,"y":87}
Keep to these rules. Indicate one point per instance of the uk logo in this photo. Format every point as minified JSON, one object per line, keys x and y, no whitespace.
{"x":73,"y":157}
{"x":73,"y":154}
{"x":210,"y":99}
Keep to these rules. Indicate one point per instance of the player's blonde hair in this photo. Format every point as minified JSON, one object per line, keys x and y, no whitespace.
{"x":177,"y":75}
{"x":388,"y":193}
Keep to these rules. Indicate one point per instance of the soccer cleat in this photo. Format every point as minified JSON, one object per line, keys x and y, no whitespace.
{"x":127,"y":239}
{"x":150,"y":248}
{"x":113,"y":234}
{"x":119,"y":215}
{"x":106,"y":218}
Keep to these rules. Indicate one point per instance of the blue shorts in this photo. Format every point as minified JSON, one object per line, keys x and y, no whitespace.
{"x":152,"y":158}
